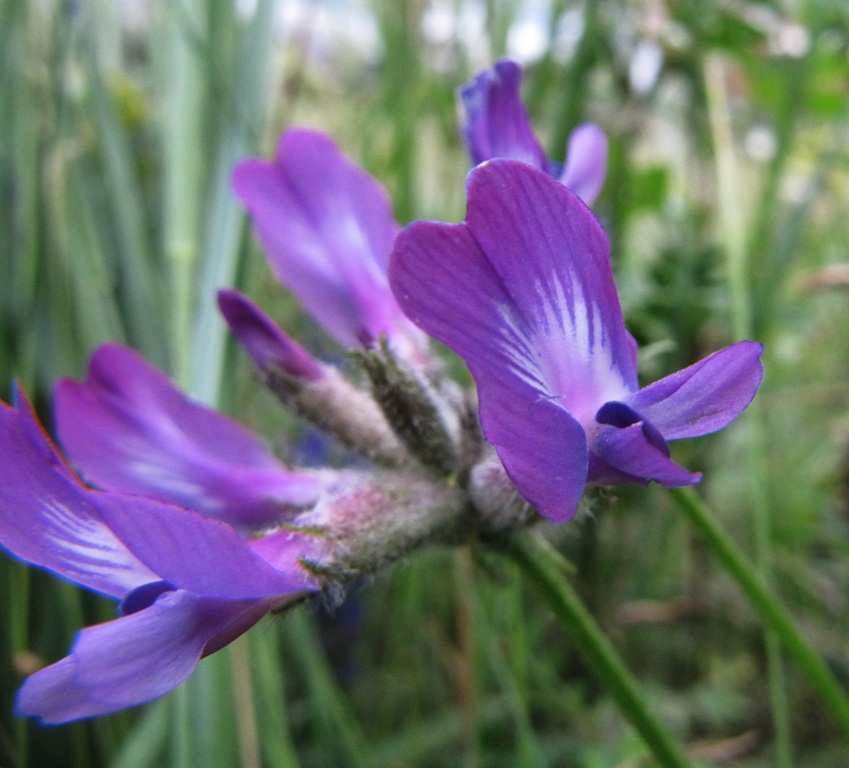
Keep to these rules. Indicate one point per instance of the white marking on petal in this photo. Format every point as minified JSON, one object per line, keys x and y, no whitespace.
{"x":87,"y":545}
{"x":562,"y":349}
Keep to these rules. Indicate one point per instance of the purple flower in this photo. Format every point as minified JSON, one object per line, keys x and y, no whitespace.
{"x":523,"y":291}
{"x":495,"y":124}
{"x":126,"y":428}
{"x":188,"y":585}
{"x":327,"y":228}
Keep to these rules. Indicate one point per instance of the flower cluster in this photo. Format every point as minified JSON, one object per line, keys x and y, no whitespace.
{"x":198,"y":531}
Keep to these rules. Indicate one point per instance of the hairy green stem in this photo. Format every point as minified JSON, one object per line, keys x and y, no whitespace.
{"x":546,"y":568}
{"x":810,"y":663}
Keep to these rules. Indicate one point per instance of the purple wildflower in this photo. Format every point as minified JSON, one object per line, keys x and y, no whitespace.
{"x":495,"y":123}
{"x":188,"y":585}
{"x":126,"y":428}
{"x":523,"y":291}
{"x":327,"y":228}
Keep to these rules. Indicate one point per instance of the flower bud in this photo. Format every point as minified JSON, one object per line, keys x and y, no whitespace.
{"x":497,"y":503}
{"x":314,"y":391}
{"x":412,"y":408}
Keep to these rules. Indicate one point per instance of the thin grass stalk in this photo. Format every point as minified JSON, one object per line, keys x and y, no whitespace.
{"x":402,"y":87}
{"x":52,"y":310}
{"x":182,"y":183}
{"x":55,"y":307}
{"x":528,"y":750}
{"x":98,"y":316}
{"x":499,"y":18}
{"x":141,"y":281}
{"x":334,"y":722}
{"x":246,"y":717}
{"x":69,"y":609}
{"x":223,"y":218}
{"x":833,"y":696}
{"x":465,"y":663}
{"x":145,"y":746}
{"x":545,"y":568}
{"x":181,"y":751}
{"x":571,"y":86}
{"x":19,"y":162}
{"x":519,"y":650}
{"x":207,"y":731}
{"x":771,"y":219}
{"x":19,"y":587}
{"x":731,"y":209}
{"x":278,"y":749}
{"x":733,"y":230}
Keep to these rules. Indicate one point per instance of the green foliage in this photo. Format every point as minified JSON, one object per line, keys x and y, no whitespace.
{"x":116,"y":223}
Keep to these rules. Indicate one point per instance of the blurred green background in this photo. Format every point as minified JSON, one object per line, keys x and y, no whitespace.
{"x":727,"y":203}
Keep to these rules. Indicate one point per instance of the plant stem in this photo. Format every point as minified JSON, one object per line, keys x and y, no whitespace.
{"x":811,"y":664}
{"x":546,"y":569}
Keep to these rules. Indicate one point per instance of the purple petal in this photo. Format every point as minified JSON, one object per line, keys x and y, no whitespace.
{"x":586,"y":162}
{"x":201,"y":555}
{"x":270,"y":348}
{"x":494,"y":121}
{"x":634,"y":451}
{"x":447,"y":286}
{"x":704,"y":397}
{"x":327,"y":228}
{"x":135,"y":658}
{"x":127,"y":428}
{"x":552,"y":256}
{"x":47,"y":517}
{"x":543,"y":449}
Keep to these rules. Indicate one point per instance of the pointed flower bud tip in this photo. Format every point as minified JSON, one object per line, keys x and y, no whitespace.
{"x":269,"y":347}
